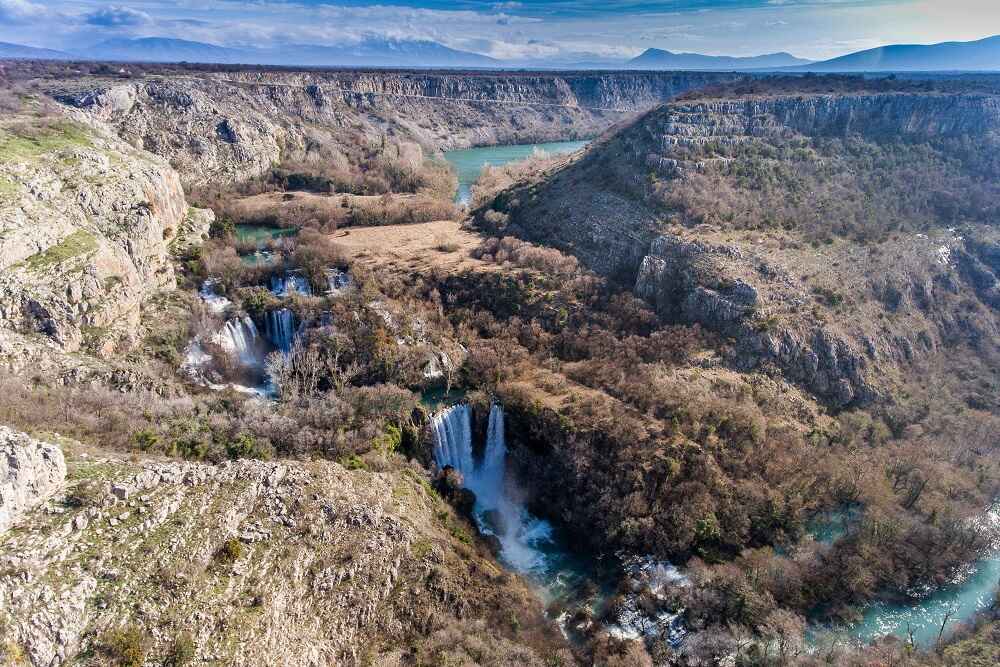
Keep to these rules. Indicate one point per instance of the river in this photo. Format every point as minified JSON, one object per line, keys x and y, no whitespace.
{"x":469,"y":162}
{"x":959,"y":601}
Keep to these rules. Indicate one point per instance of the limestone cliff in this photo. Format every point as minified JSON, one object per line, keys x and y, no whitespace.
{"x":86,"y":222}
{"x":30,"y":472}
{"x":227,"y":127}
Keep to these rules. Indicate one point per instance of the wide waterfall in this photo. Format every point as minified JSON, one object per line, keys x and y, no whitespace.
{"x":290,"y":283}
{"x":280,"y":329}
{"x":239,"y":338}
{"x":453,"y":438}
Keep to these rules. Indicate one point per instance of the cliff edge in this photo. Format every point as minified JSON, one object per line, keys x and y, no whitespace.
{"x":86,"y":223}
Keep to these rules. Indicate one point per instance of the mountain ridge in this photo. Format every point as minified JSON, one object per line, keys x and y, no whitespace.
{"x":374,"y":51}
{"x":20,"y":51}
{"x":661,"y":59}
{"x":370,"y":51}
{"x":978,"y":55}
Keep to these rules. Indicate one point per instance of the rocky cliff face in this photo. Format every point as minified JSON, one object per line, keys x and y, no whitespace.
{"x":249,"y":562}
{"x":86,"y":222}
{"x":888,"y":115}
{"x":781,"y":300}
{"x":30,"y":472}
{"x":617,"y":91}
{"x":734,"y":291}
{"x":232,"y":126}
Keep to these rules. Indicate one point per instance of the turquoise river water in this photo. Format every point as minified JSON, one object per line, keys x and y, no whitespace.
{"x":469,"y":162}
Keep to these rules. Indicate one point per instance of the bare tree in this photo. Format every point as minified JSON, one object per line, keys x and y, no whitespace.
{"x":944,"y":621}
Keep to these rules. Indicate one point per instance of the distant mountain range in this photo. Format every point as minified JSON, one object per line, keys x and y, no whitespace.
{"x":659,"y":59}
{"x":17,"y":51}
{"x":159,"y":49}
{"x":386,"y":52}
{"x":369,"y":52}
{"x":980,"y":55}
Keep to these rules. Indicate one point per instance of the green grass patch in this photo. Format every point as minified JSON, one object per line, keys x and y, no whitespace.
{"x":27,"y":141}
{"x":8,"y":188}
{"x":353,"y":462}
{"x":421,"y":548}
{"x":75,"y":245}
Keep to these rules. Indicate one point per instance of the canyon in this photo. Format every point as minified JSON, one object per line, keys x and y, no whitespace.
{"x":680,"y":344}
{"x":727,"y":281}
{"x":235,"y":125}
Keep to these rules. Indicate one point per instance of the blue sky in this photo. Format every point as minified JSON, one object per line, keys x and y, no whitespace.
{"x":516,"y":29}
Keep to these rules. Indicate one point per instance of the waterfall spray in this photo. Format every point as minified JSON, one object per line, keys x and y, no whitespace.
{"x":528,"y":544}
{"x":497,"y":512}
{"x":215,"y":302}
{"x":239,"y":338}
{"x":290,"y":283}
{"x":337,"y":280}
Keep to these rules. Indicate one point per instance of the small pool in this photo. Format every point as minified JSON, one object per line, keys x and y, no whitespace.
{"x":261,"y":234}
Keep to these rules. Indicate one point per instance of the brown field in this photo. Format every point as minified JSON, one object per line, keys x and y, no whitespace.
{"x":443,"y":244}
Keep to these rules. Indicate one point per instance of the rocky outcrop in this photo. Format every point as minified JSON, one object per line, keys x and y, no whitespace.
{"x":980,"y":265}
{"x":30,"y":472}
{"x":86,"y":222}
{"x":236,"y":125}
{"x":694,"y":280}
{"x":732,"y":291}
{"x":873,"y":115}
{"x":600,"y":91}
{"x":247,"y":562}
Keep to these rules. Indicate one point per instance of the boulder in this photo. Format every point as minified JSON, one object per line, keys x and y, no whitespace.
{"x":30,"y":472}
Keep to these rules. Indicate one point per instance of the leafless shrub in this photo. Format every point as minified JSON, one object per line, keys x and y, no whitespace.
{"x":527,"y":255}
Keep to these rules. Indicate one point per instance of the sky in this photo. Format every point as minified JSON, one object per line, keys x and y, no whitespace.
{"x":554,"y":30}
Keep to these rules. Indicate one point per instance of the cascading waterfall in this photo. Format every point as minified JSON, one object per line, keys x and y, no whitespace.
{"x":280,"y":329}
{"x":337,"y":280}
{"x":453,"y":438}
{"x":239,"y":337}
{"x":522,"y":536}
{"x":528,"y":545}
{"x":215,"y":302}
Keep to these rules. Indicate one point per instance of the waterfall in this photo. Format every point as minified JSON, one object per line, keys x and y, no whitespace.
{"x":195,"y":359}
{"x":239,"y":338}
{"x":490,"y":472}
{"x":280,"y":329}
{"x":337,"y":280}
{"x":529,"y":545}
{"x":497,"y":512}
{"x":453,"y":438}
{"x":290,"y":283}
{"x":215,"y":302}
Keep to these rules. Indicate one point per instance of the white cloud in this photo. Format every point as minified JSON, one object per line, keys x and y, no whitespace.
{"x":117,"y":17}
{"x":17,"y":11}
